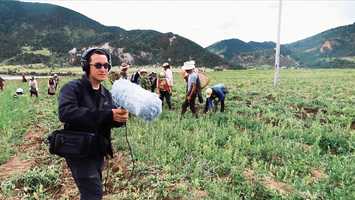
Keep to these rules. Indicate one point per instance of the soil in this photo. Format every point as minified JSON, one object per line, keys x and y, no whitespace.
{"x":268,"y":182}
{"x":282,"y":188}
{"x":317,"y":174}
{"x":18,"y":164}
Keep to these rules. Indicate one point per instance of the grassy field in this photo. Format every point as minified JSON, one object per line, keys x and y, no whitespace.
{"x":295,"y":141}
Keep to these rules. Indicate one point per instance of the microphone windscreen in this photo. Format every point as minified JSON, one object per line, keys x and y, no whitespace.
{"x":138,"y":101}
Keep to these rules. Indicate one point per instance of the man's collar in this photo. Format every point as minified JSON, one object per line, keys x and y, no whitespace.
{"x":86,"y":81}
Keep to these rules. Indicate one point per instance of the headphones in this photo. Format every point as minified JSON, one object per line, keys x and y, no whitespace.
{"x":84,"y":60}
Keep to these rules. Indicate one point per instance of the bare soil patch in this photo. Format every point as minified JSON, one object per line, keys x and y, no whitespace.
{"x":268,"y":182}
{"x":282,"y":188}
{"x":16,"y":165}
{"x":318,"y":174}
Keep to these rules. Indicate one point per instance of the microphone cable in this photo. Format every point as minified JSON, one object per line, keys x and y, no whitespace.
{"x":130,"y":151}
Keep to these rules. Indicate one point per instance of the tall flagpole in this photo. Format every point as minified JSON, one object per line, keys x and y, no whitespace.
{"x":277,"y":55}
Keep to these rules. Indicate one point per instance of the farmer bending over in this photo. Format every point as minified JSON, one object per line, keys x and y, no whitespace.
{"x":214,"y":95}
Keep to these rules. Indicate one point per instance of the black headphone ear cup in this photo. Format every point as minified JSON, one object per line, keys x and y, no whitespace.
{"x":83,"y":65}
{"x":85,"y":60}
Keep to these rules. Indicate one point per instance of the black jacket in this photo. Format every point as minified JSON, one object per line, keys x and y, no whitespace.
{"x":83,"y":109}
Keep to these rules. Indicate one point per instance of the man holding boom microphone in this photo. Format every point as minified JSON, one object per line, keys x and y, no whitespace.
{"x":85,"y":105}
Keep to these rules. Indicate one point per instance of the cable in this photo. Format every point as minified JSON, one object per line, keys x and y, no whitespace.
{"x":107,"y":179}
{"x":130,"y":150}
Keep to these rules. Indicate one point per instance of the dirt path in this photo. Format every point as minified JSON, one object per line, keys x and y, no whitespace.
{"x":34,"y":153}
{"x":67,"y":188}
{"x":18,"y":164}
{"x":15,"y":166}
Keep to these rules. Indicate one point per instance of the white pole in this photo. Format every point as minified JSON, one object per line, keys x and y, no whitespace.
{"x":277,"y":56}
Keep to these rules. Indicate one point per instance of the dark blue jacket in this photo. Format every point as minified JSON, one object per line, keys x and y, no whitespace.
{"x":83,"y":109}
{"x":219,"y":91}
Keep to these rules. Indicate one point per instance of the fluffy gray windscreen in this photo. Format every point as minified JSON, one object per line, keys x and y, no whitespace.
{"x":138,"y":101}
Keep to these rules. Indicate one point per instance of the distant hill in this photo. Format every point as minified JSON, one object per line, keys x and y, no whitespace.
{"x":229,"y":48}
{"x":50,"y":34}
{"x":238,"y":52}
{"x":331,"y":48}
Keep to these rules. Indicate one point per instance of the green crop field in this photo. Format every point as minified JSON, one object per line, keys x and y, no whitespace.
{"x":295,"y":141}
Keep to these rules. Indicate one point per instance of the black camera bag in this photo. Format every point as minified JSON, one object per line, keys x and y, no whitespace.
{"x":66,"y":143}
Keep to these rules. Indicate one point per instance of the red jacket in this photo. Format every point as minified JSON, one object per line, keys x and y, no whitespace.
{"x":163,"y":85}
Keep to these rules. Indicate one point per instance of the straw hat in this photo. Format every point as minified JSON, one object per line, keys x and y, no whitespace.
{"x":161,"y":75}
{"x":208,"y":92}
{"x":188,"y":65}
{"x":124,"y":66}
{"x":142,"y":70}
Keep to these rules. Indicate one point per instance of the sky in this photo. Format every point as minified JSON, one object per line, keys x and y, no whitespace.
{"x":208,"y":21}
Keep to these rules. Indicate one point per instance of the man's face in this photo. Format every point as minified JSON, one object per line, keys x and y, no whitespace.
{"x":98,"y":73}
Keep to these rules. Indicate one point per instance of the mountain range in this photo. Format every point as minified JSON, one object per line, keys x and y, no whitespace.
{"x":53,"y":35}
{"x":331,"y":48}
{"x":50,"y":34}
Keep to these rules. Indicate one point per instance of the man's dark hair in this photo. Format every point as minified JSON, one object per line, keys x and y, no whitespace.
{"x":86,"y":58}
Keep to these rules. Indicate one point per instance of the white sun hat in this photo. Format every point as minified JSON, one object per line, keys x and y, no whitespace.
{"x":188,"y":65}
{"x":208,"y":92}
{"x":143,"y":70}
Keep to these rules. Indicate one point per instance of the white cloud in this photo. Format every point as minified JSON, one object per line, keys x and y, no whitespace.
{"x":206,"y":22}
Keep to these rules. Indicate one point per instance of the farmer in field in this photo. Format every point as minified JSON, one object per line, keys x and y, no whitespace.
{"x":152,"y":76}
{"x":33,"y":86}
{"x":199,"y":89}
{"x":51,"y":86}
{"x":143,"y":79}
{"x":168,"y":74}
{"x":124,"y":71}
{"x":113,"y":76}
{"x":2,"y":83}
{"x":122,"y":74}
{"x":191,"y":88}
{"x":135,"y":77}
{"x":18,"y":92}
{"x":164,"y":89}
{"x":198,"y":82}
{"x":24,"y":80}
{"x":56,"y":80}
{"x":86,"y":105}
{"x":214,"y":95}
